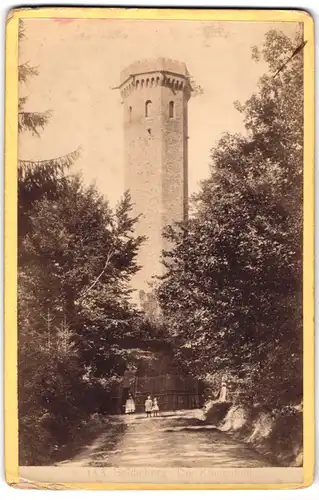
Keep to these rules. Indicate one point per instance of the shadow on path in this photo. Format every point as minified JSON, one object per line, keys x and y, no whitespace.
{"x":171,"y":440}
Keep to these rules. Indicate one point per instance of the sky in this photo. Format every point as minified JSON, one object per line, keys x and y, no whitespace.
{"x":79,"y":64}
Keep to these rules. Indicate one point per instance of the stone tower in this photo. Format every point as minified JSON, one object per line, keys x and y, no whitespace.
{"x":155,"y":97}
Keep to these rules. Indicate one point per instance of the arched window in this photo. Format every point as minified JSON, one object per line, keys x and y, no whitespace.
{"x":130,"y":113}
{"x":148,"y":107}
{"x":171,"y":109}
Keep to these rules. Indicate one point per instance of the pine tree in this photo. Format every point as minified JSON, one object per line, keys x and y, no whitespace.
{"x":36,"y":178}
{"x":77,"y":328}
{"x":37,"y":349}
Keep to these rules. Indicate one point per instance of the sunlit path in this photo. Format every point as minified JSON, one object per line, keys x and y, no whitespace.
{"x":175,"y":440}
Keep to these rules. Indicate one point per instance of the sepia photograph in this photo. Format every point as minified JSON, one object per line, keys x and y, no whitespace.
{"x":160,"y":246}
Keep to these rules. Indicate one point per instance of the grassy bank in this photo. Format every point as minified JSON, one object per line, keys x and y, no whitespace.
{"x":276,"y":434}
{"x":46,"y":450}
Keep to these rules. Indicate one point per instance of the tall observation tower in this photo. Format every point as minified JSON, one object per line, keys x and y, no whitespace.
{"x":155,"y":96}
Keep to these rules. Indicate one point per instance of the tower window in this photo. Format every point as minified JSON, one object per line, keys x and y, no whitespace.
{"x":130,"y":113}
{"x":148,"y":107}
{"x":171,"y":109}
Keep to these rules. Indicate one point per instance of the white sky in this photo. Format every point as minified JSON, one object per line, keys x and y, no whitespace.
{"x":80,"y":60}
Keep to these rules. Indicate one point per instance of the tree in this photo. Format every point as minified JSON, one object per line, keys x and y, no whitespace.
{"x":35,"y":178}
{"x":36,"y":350}
{"x":84,"y":255}
{"x":232,"y":291}
{"x":74,"y":312}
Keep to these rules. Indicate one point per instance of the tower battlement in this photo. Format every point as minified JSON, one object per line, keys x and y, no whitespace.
{"x":155,"y":72}
{"x":156,"y":64}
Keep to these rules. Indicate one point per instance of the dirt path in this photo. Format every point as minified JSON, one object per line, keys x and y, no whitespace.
{"x":176,"y":440}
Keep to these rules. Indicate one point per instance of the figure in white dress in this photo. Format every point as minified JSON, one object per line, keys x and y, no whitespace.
{"x":130,"y":405}
{"x":148,"y":406}
{"x":223,"y":392}
{"x":155,"y":408}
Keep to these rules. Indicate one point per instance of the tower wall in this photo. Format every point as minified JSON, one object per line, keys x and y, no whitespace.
{"x":155,"y":138}
{"x":174,"y":157}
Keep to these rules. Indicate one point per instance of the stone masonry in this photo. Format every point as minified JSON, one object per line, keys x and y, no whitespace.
{"x":155,"y":96}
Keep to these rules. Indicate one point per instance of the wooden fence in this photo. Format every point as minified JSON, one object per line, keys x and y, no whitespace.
{"x":172,"y":392}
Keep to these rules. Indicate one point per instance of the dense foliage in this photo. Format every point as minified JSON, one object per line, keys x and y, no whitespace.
{"x":75,"y":322}
{"x":232,"y":292}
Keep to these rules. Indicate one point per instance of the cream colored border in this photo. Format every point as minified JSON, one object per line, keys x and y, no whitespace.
{"x":11,"y":141}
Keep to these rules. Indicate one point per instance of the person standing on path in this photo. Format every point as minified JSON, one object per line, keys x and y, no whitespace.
{"x":127,"y":382}
{"x":148,"y":406}
{"x":130,"y":405}
{"x":155,"y":408}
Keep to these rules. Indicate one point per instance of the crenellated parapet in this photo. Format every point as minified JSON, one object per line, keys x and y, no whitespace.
{"x":153,"y":73}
